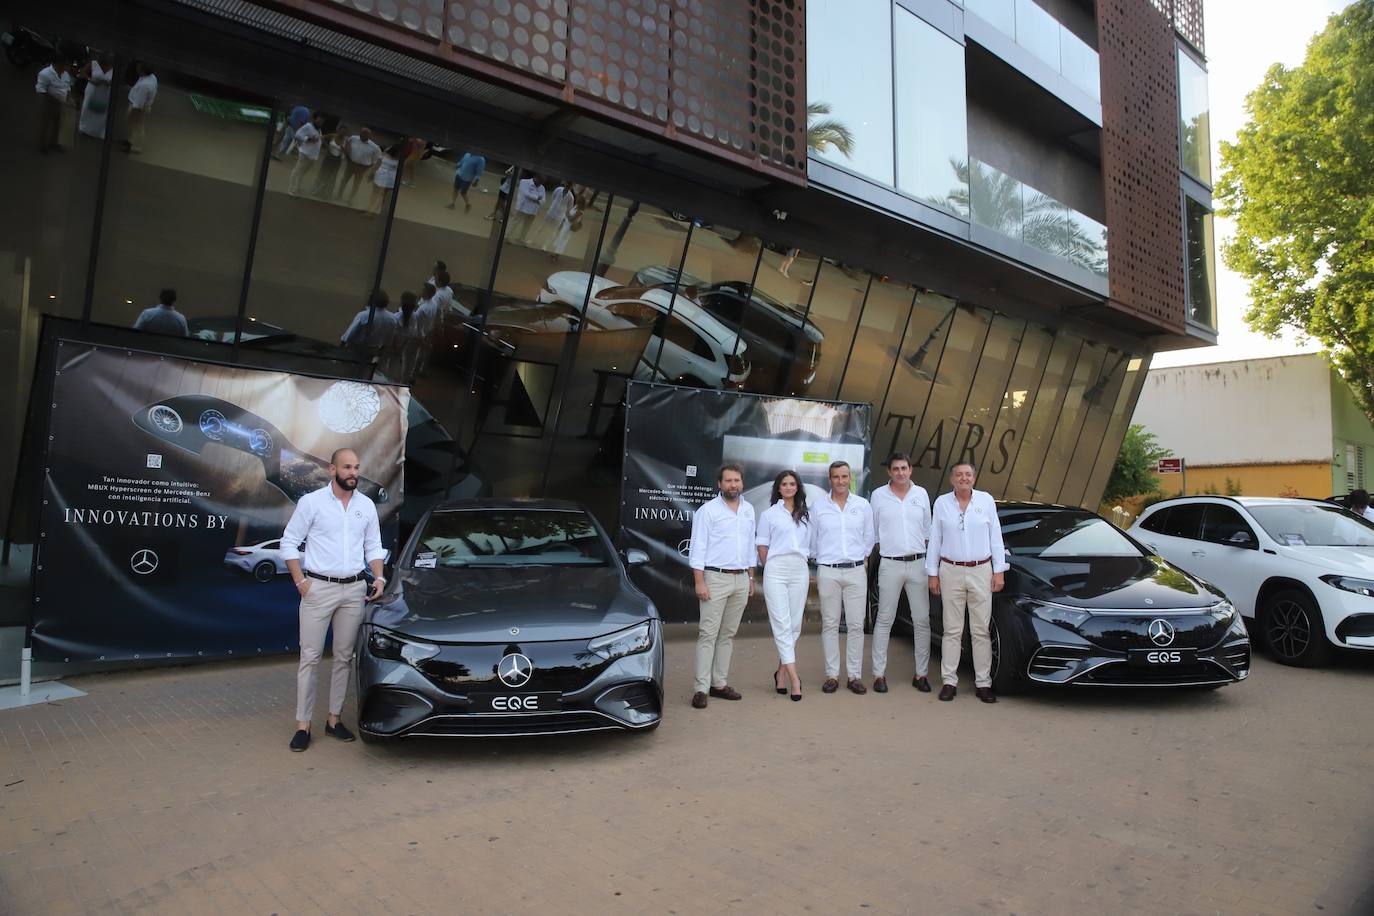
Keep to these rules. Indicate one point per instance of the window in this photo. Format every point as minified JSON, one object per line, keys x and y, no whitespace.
{"x":1224,"y":525}
{"x":1183,"y":521}
{"x":932,"y":128}
{"x":1313,"y":525}
{"x":524,"y":538}
{"x":1049,"y":533}
{"x":679,"y":333}
{"x":849,"y":81}
{"x":1194,"y":130}
{"x":1201,"y":262}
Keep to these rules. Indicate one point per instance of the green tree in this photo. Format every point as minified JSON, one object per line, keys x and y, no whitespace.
{"x":1134,"y":471}
{"x":1299,"y":182}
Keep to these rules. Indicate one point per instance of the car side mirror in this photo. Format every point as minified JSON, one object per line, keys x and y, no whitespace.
{"x":635,"y":557}
{"x":1241,"y":539}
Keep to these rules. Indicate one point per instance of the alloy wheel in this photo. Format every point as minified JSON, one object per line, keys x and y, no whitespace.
{"x":1288,"y":629}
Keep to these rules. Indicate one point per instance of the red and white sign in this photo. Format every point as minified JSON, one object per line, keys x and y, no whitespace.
{"x":1169,"y":466}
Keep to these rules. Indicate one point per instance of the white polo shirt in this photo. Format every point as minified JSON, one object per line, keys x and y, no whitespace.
{"x":723,"y":538}
{"x":968,"y":536}
{"x":842,"y":535}
{"x":902,"y":523}
{"x":339,"y":540}
{"x":782,"y":534}
{"x":309,"y":140}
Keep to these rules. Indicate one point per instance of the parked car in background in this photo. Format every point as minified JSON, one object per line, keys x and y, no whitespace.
{"x":1303,"y":569}
{"x":1086,"y":605}
{"x":262,"y":561}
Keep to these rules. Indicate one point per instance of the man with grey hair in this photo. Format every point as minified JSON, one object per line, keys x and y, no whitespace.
{"x":339,"y":528}
{"x":842,"y":538}
{"x":965,"y":562}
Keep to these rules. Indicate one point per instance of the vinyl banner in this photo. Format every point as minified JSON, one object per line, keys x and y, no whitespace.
{"x":167,"y":487}
{"x":677,"y":438}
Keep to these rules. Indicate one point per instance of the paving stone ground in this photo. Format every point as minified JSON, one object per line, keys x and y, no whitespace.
{"x":172,"y":791}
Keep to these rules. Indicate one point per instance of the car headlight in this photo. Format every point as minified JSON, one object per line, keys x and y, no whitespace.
{"x":1225,"y":612}
{"x":623,"y":642}
{"x":1350,"y":584}
{"x":385,"y":644}
{"x":1060,"y":616}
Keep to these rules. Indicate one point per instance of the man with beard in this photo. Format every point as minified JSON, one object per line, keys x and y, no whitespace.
{"x":338,"y":526}
{"x":722,"y":558}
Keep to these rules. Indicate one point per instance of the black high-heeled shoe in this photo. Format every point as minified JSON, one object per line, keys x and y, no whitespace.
{"x":796,"y":697}
{"x":775,"y":681}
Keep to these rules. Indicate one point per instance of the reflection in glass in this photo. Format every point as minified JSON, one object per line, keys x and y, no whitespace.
{"x":835,"y":307}
{"x":1043,"y":412}
{"x":1202,"y":269}
{"x":941,"y":433}
{"x":1038,"y":32}
{"x":1035,"y":29}
{"x":1194,"y":118}
{"x":923,"y":343}
{"x":787,"y":346}
{"x":878,"y":342}
{"x":849,"y":69}
{"x":178,"y":214}
{"x":1088,"y":383}
{"x":986,"y":387}
{"x":1100,"y":398}
{"x":1136,"y":368}
{"x":932,"y":130}
{"x":1007,"y":429}
{"x":1009,"y":207}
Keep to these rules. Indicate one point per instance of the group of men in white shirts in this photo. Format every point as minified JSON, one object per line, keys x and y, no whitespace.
{"x":952,"y":549}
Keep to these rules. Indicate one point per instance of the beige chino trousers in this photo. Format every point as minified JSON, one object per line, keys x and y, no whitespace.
{"x":342,"y":605}
{"x":720,"y":617}
{"x":966,"y":587}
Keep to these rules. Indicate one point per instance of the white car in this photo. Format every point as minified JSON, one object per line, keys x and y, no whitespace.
{"x":262,"y":561}
{"x":1303,"y":570}
{"x":697,"y":349}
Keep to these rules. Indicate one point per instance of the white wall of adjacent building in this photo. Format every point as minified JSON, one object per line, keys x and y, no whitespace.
{"x":1256,"y":411}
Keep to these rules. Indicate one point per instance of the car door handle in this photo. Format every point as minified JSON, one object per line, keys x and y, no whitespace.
{"x":1199,"y":553}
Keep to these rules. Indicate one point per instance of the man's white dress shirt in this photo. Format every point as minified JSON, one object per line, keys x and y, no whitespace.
{"x":782,"y":534}
{"x":902,"y":522}
{"x":53,"y":84}
{"x":723,"y":538}
{"x":143,"y":93}
{"x":362,"y":152}
{"x":339,"y":541}
{"x":968,"y":536}
{"x":309,"y":140}
{"x":842,"y":535}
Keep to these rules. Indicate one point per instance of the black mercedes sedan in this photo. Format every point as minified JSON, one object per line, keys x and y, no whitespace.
{"x":1086,"y":604}
{"x":509,"y":617}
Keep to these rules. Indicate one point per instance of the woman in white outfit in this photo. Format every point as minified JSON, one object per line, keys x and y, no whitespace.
{"x":95,"y":103}
{"x":784,"y":539}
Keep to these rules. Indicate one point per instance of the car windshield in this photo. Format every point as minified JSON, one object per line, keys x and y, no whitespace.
{"x":1313,"y":525}
{"x":1050,"y":533}
{"x":509,"y":537}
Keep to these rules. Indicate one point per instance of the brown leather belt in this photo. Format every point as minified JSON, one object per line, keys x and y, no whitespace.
{"x":965,"y":562}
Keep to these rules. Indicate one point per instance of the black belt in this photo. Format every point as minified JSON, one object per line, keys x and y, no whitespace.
{"x":843,"y":565}
{"x":339,"y":581}
{"x":733,"y":572}
{"x":908,"y":558}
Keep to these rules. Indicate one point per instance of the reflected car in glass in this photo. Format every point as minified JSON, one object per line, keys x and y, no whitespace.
{"x":509,"y":617}
{"x":1085,"y":604}
{"x":1303,"y":569}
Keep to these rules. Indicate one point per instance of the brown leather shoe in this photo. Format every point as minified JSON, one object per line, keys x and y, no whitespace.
{"x":857,"y":686}
{"x":948,"y":691}
{"x":726,"y":693}
{"x":698,"y":700}
{"x":921,"y":683}
{"x":831,"y":685}
{"x":880,"y":685}
{"x":985,"y":694}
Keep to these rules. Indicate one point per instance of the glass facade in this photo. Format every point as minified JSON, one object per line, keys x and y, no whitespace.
{"x":932,"y":115}
{"x":1032,"y":27}
{"x":849,"y":84}
{"x":1194,"y":125}
{"x":1201,"y":268}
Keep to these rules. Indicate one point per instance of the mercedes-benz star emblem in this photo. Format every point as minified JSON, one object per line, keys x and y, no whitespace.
{"x":684,"y":547}
{"x":515,"y":670}
{"x":143,"y":561}
{"x":515,"y":631}
{"x":1161,"y":632}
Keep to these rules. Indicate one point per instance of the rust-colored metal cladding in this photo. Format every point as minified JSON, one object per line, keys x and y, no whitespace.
{"x":721,"y":76}
{"x":1187,"y":19}
{"x":1140,"y":162}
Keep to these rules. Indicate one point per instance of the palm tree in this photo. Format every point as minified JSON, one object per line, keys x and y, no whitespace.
{"x":827,"y":134}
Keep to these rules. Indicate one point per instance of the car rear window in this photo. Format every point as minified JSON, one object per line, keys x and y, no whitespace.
{"x":510,"y":537}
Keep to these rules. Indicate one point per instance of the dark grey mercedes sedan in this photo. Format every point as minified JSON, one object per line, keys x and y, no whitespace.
{"x":509,"y":617}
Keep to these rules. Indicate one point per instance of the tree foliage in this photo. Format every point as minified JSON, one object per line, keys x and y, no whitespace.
{"x":1134,"y":471}
{"x":1299,"y":182}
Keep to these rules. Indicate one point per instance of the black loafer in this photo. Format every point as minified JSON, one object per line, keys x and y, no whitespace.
{"x":921,"y":683}
{"x":300,"y":740}
{"x":948,"y":692}
{"x":339,"y":731}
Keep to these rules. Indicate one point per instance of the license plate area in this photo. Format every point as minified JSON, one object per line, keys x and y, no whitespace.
{"x":1161,"y":658}
{"x":544,"y":701}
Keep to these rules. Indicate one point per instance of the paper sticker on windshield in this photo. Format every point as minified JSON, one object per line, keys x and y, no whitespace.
{"x":426,"y":559}
{"x":1294,"y":540}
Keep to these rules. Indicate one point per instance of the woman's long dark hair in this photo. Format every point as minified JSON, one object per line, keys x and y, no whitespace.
{"x":799,"y":512}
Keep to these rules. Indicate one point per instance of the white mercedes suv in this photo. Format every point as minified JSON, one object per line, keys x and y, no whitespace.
{"x":1303,"y":570}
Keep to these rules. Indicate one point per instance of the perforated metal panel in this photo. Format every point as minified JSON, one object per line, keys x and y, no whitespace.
{"x":718,"y":75}
{"x":1187,"y":19}
{"x":1140,"y":162}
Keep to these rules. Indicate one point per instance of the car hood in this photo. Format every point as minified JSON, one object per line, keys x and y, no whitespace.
{"x":482,"y":605}
{"x":1109,"y":583}
{"x":1354,"y":561}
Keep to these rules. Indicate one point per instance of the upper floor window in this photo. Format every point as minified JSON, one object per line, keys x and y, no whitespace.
{"x":1194,"y":129}
{"x":1201,"y":262}
{"x":849,"y":85}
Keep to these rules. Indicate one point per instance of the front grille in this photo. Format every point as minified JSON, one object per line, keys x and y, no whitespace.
{"x":1051,"y":660}
{"x":528,"y":724}
{"x":1120,"y":674}
{"x":565,"y":666}
{"x":1237,"y":658}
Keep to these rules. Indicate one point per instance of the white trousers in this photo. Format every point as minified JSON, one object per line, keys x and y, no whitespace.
{"x":785,"y":583}
{"x":966,"y":587}
{"x":326,"y":602}
{"x":847,"y":590}
{"x":893,"y":577}
{"x":720,"y":617}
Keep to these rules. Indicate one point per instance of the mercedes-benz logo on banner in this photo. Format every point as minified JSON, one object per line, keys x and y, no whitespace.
{"x":685,"y":546}
{"x":143,"y":561}
{"x":515,"y":670}
{"x":1161,"y":632}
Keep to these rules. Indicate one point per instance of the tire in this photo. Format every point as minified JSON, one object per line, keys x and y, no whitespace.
{"x":1292,"y":629}
{"x":265,"y":571}
{"x":1009,"y":656}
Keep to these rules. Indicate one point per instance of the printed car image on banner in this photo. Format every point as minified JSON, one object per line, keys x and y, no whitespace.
{"x":168,"y":485}
{"x":676,"y":439}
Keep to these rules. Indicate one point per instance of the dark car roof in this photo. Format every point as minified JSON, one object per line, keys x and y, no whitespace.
{"x":506,"y":502}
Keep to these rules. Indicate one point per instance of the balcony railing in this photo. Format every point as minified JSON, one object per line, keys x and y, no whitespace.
{"x":1034,"y":29}
{"x":1016,"y":210}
